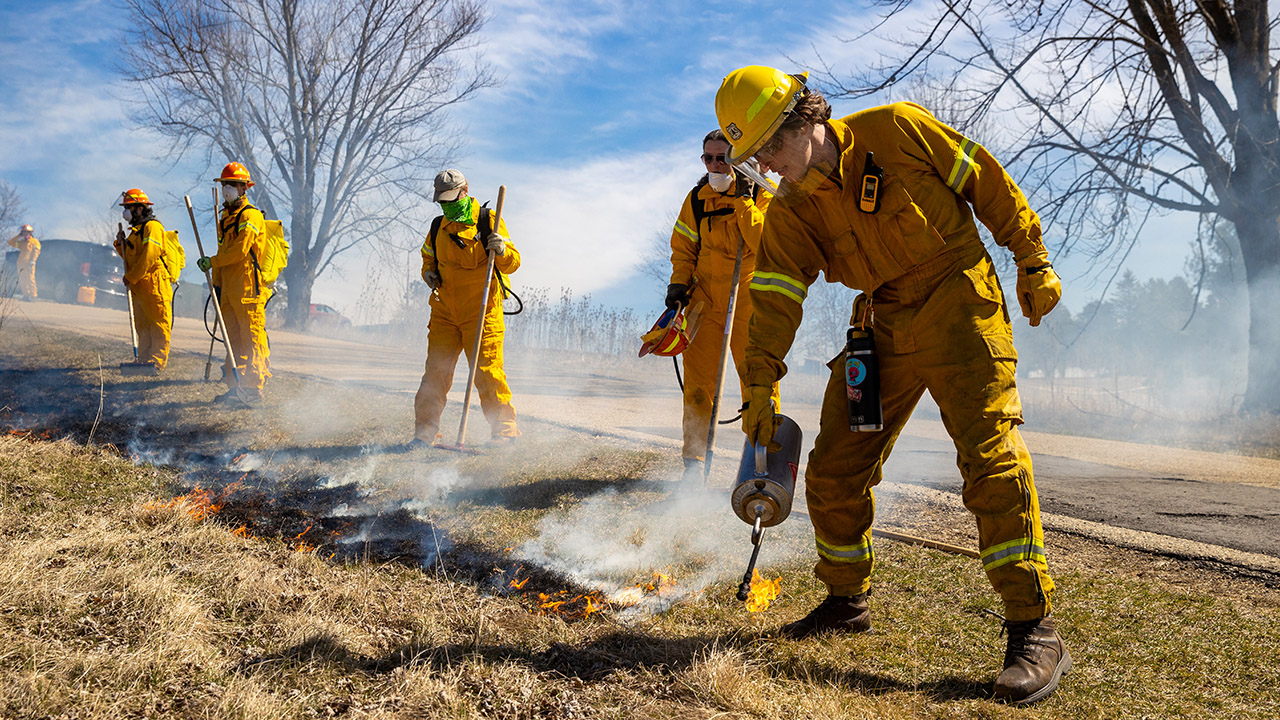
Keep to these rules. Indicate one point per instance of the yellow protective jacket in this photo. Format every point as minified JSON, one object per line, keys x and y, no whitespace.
{"x":935,"y":180}
{"x":705,"y":250}
{"x":462,"y":270}
{"x":26,"y":246}
{"x":143,"y":252}
{"x":241,"y":236}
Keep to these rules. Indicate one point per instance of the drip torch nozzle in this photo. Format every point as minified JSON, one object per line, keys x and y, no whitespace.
{"x":757,"y":534}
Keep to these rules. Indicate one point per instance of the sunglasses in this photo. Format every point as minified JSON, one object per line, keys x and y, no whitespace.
{"x":709,"y":158}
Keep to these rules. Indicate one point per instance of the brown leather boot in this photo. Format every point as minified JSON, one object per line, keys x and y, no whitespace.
{"x":1034,"y":661}
{"x":838,"y":613}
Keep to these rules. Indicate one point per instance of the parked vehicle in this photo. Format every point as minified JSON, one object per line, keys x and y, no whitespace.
{"x":64,"y":266}
{"x":326,"y":316}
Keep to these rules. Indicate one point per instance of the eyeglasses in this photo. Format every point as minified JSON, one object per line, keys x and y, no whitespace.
{"x":708,"y":158}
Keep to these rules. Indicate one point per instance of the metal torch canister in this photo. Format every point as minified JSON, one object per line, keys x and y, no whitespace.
{"x":766,"y":480}
{"x":862,"y":381}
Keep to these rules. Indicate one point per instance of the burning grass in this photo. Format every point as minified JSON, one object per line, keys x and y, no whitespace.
{"x":286,"y":584}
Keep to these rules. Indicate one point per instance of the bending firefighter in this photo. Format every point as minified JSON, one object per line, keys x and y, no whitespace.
{"x":884,"y":201}
{"x":149,"y":274}
{"x":241,"y":292}
{"x":454,"y":262}
{"x":28,"y":250}
{"x":722,"y":216}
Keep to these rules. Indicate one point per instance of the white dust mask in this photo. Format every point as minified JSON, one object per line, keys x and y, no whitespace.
{"x":230,"y":192}
{"x":719,"y":182}
{"x":128,"y":215}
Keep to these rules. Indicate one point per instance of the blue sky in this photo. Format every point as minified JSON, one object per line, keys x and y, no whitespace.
{"x":594,"y":130}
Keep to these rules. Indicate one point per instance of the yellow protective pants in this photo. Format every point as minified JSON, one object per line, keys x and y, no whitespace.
{"x":27,"y":271}
{"x":445,"y":340}
{"x":944,"y":328}
{"x":247,"y":331}
{"x":152,"y":298}
{"x":701,"y":363}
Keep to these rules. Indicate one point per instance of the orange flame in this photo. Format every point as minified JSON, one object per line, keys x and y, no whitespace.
{"x":762,"y":592}
{"x":242,"y":532}
{"x":519,"y":584}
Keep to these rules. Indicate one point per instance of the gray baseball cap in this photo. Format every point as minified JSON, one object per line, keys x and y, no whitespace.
{"x":449,"y":184}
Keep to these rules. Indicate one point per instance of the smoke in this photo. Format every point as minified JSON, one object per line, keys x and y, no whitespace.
{"x":611,"y":542}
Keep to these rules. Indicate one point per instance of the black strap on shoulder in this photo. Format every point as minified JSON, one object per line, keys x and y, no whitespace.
{"x":699,"y":207}
{"x":435,"y":229}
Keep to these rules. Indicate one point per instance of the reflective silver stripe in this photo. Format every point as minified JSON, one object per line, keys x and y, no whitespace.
{"x":1007,"y":552}
{"x":964,"y":166}
{"x":779,"y":283}
{"x":844,"y":553}
{"x":685,"y":231}
{"x":426,"y":248}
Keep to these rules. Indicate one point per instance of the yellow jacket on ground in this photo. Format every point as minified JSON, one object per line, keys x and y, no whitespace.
{"x":461,"y":260}
{"x":150,"y":290}
{"x":704,"y":247}
{"x":242,"y":296}
{"x":940,"y":324}
{"x":28,"y":251}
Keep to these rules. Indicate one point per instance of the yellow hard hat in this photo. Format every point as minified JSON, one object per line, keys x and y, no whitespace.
{"x":751,"y":103}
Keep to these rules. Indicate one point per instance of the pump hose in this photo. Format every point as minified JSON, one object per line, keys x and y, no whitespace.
{"x":208,"y":300}
{"x":506,"y":290}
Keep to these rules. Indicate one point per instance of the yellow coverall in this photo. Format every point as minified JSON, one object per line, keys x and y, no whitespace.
{"x":455,"y":311}
{"x":28,"y":251}
{"x":703,"y":258}
{"x":150,"y":284}
{"x":940,"y":323}
{"x":241,"y":234}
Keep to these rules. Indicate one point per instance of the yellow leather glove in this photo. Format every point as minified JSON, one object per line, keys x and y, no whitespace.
{"x":1039,"y":290}
{"x":758,"y":419}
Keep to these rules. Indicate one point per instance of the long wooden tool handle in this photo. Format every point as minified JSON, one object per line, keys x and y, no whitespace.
{"x":724,"y":361}
{"x":217,"y":306}
{"x":128,"y":298}
{"x":484,"y":310}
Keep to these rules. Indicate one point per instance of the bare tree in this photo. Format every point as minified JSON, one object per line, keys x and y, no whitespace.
{"x":337,"y":107}
{"x":11,"y":208}
{"x":1115,"y":109}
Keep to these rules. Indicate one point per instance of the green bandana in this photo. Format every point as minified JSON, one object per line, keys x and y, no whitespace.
{"x":460,"y":211}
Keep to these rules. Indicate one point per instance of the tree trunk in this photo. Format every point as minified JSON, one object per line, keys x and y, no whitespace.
{"x":1260,"y":248}
{"x":298,"y":291}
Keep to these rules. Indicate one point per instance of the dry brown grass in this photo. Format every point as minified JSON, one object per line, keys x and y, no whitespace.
{"x":116,"y":601}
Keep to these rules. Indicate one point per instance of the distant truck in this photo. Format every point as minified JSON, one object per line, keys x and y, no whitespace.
{"x":64,"y":266}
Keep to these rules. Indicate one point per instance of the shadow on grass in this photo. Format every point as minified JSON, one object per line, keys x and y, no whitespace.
{"x":600,"y":658}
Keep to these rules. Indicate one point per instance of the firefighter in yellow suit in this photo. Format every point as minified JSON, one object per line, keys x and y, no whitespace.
{"x":883,"y":201}
{"x":241,"y":294}
{"x":28,"y":250}
{"x":723,"y":209}
{"x":148,"y":278}
{"x":454,"y":261}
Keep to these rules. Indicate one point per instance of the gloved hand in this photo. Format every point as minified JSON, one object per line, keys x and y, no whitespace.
{"x":204,"y":263}
{"x":677,"y":294}
{"x":1039,"y":290}
{"x":495,"y":244}
{"x":432,"y":279}
{"x":758,"y":420}
{"x":119,"y":237}
{"x":745,"y":187}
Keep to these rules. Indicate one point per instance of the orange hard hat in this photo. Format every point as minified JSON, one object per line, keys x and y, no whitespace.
{"x":672,"y":333}
{"x":27,"y":228}
{"x":134,"y":196}
{"x":235,"y":172}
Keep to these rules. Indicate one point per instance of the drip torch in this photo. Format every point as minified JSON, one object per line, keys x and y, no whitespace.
{"x":765,"y":487}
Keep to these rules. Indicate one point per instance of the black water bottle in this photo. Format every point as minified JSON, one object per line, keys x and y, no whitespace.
{"x":862,"y":381}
